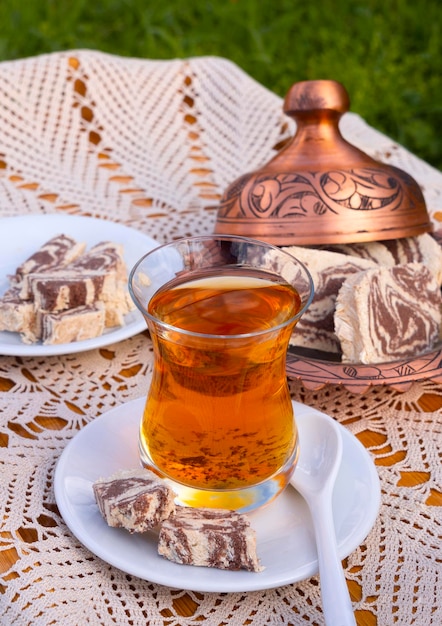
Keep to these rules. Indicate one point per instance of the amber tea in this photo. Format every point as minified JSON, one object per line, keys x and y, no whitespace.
{"x":226,"y":421}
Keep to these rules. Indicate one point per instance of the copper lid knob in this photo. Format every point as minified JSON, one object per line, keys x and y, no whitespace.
{"x":319,"y":188}
{"x":316,"y":95}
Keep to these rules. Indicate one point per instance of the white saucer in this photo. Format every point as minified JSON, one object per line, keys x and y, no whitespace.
{"x":21,"y":236}
{"x":285,"y":540}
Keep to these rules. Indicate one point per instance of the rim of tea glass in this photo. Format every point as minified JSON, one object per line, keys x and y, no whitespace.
{"x":248,"y":240}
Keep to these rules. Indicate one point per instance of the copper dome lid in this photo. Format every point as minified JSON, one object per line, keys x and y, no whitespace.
{"x":320,"y":189}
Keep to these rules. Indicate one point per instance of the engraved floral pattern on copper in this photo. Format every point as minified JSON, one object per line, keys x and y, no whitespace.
{"x":266,"y":196}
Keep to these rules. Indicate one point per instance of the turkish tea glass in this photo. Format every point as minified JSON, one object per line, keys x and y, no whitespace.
{"x":218,"y":421}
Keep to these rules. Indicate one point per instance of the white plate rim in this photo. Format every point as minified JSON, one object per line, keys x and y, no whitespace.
{"x":74,"y":496}
{"x":23,"y":234}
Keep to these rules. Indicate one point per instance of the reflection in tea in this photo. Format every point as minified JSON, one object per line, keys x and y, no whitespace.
{"x":218,"y":414}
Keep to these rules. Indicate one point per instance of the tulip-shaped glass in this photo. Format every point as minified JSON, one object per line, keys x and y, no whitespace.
{"x":218,"y":422}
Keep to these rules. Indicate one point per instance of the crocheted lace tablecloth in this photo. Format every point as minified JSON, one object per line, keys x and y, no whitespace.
{"x":152,"y":145}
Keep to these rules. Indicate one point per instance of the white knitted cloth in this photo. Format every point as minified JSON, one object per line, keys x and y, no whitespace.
{"x":153,"y":144}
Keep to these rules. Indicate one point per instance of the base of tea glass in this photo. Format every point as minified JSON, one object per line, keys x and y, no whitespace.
{"x":218,"y":422}
{"x":243,"y":499}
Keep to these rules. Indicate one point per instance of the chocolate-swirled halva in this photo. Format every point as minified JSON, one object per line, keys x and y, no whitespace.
{"x":209,"y":538}
{"x":386,"y":314}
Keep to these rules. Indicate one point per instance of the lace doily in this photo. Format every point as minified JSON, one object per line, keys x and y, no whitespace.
{"x":153,"y":144}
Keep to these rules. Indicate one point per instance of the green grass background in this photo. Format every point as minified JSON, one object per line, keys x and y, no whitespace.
{"x":387,"y":53}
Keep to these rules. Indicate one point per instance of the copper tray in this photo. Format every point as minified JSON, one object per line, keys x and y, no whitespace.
{"x":316,"y":369}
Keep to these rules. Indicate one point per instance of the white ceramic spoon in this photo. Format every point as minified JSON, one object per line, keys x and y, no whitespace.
{"x":320,"y":452}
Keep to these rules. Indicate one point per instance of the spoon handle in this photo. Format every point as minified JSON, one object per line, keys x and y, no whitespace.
{"x":336,"y":604}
